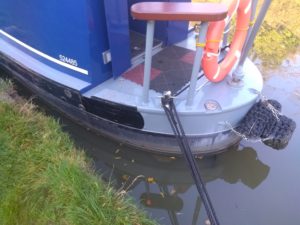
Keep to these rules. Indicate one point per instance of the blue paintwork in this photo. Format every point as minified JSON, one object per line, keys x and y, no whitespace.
{"x":98,"y":41}
{"x":140,"y":26}
{"x":119,"y":22}
{"x":118,"y":33}
{"x":169,"y":32}
{"x":76,"y":30}
{"x":177,"y":31}
{"x":81,"y":30}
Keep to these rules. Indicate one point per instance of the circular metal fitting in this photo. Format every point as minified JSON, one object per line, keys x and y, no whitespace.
{"x":212,"y":105}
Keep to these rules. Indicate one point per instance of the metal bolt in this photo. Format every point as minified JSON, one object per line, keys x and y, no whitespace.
{"x":81,"y":107}
{"x":68,"y":93}
{"x":197,"y":28}
{"x":211,"y":105}
{"x":207,"y":222}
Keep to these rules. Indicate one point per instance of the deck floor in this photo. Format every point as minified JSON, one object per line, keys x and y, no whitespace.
{"x":138,"y":43}
{"x":171,"y":70}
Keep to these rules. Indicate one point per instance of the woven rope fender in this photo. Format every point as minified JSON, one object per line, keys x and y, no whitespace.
{"x":264,"y":121}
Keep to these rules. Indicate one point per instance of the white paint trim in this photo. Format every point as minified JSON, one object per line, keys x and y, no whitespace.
{"x":237,"y":54}
{"x":77,"y":69}
{"x":248,"y":7}
{"x":217,"y":73}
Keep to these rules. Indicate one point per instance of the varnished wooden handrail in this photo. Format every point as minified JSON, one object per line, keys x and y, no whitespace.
{"x":179,"y":11}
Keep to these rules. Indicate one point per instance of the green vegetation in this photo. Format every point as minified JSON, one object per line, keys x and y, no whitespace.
{"x":280,"y":34}
{"x":44,"y":180}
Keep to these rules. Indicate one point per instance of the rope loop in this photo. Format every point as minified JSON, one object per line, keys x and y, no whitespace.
{"x":251,"y":23}
{"x":200,"y":45}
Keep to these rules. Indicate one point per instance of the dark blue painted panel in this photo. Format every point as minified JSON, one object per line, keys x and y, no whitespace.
{"x":140,"y":26}
{"x":74,"y":29}
{"x":169,"y":32}
{"x":118,"y":33}
{"x":177,"y":30}
{"x":79,"y":30}
{"x":98,"y":39}
{"x":51,"y":27}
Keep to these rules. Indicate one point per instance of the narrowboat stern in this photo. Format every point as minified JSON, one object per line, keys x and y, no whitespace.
{"x":106,"y":64}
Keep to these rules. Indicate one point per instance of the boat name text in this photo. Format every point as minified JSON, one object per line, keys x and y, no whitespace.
{"x":70,"y":61}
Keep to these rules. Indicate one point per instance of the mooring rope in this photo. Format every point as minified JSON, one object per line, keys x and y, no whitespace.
{"x":171,"y":112}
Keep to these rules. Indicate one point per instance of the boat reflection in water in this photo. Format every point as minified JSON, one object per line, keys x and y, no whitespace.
{"x":163,"y":184}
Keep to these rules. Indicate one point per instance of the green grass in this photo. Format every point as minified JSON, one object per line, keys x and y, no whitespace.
{"x":44,"y":180}
{"x":279,"y":35}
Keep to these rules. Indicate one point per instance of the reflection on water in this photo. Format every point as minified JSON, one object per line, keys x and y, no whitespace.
{"x":163,"y":185}
{"x":124,"y":164}
{"x":289,"y":68}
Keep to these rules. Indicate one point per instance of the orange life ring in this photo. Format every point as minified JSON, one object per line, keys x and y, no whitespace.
{"x":214,"y":71}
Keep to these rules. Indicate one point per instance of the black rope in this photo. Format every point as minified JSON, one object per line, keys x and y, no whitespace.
{"x":170,"y":110}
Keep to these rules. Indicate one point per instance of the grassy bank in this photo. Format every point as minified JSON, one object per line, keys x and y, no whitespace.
{"x":280,"y":34}
{"x":45,"y":180}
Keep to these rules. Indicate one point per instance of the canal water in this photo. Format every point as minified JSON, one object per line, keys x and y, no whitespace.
{"x":250,"y":184}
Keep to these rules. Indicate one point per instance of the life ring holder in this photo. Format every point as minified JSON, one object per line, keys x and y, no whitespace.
{"x":213,"y":70}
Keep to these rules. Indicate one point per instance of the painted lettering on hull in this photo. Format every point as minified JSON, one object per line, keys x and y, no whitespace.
{"x":70,"y":61}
